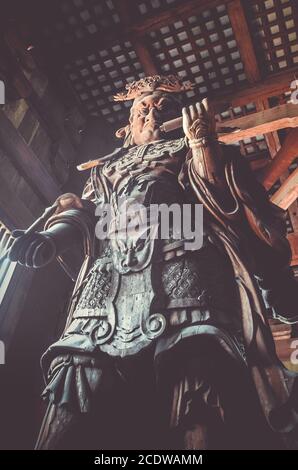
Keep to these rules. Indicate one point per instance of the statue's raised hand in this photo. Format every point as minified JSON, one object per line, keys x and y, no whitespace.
{"x":33,"y":249}
{"x":199,"y":123}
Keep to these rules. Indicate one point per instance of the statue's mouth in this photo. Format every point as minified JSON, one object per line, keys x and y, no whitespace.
{"x":153,"y":125}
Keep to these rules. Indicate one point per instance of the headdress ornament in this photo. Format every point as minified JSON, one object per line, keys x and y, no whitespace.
{"x":169,"y":84}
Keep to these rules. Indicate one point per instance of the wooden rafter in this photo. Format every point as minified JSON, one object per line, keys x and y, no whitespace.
{"x":287,"y":153}
{"x":269,"y":120}
{"x":250,"y":125}
{"x":273,"y":86}
{"x":272,"y":138}
{"x":244,"y":41}
{"x":249,"y":59}
{"x":288,"y":192}
{"x":144,"y":57}
{"x":125,"y":11}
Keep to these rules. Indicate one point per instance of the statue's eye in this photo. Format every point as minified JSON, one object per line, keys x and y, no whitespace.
{"x":144,"y":111}
{"x":163,"y":106}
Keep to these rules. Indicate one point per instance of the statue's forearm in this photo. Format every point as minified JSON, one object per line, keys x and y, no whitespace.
{"x":69,"y":227}
{"x":64,"y":236}
{"x":208,"y":162}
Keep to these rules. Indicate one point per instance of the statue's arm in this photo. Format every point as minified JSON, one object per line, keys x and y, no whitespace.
{"x":199,"y":128}
{"x":279,"y":290}
{"x":231,"y":193}
{"x":206,"y":165}
{"x":73,"y":220}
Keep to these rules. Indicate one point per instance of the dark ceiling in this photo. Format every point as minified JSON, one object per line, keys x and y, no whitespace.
{"x":97,"y":46}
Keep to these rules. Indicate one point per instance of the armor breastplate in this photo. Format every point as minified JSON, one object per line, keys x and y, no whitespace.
{"x":151,"y":158}
{"x":141,"y":177}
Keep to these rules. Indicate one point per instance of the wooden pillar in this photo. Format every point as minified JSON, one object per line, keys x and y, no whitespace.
{"x":284,"y":157}
{"x":35,"y":173}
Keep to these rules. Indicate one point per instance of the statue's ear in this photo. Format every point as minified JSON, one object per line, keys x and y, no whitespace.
{"x":121,"y":133}
{"x":125,"y":133}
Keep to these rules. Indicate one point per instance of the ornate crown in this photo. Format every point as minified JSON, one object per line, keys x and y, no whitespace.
{"x":170,"y":84}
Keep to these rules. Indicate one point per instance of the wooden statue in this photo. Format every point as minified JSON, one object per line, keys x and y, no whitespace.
{"x":190,"y":324}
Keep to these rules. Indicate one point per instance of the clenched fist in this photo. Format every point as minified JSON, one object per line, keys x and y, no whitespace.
{"x":34,"y":249}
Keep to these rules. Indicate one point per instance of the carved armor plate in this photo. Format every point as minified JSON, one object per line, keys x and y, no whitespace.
{"x":136,"y":326}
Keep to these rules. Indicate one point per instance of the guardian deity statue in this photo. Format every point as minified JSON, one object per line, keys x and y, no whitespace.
{"x":172,"y":339}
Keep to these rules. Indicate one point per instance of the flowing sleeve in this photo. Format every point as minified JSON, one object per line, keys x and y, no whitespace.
{"x":252,"y":216}
{"x":271,"y":247}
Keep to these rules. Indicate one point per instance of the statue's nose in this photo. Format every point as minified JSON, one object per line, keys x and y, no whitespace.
{"x":130,"y":259}
{"x":152,"y":115}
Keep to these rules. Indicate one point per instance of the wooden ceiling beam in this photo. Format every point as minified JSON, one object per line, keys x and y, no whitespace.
{"x":125,"y":11}
{"x":288,"y":192}
{"x":274,"y":85}
{"x":283,"y":159}
{"x":250,"y":63}
{"x":144,"y":57}
{"x":272,"y":139}
{"x":244,"y":40}
{"x":251,"y":125}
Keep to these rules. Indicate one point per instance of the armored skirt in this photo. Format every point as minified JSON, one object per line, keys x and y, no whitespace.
{"x":120,"y":318}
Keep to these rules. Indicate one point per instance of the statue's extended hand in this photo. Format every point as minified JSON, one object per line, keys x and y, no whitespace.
{"x":199,"y":121}
{"x":34,"y":249}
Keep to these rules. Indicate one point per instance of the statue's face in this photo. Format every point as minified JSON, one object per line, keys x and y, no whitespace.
{"x":148,"y":113}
